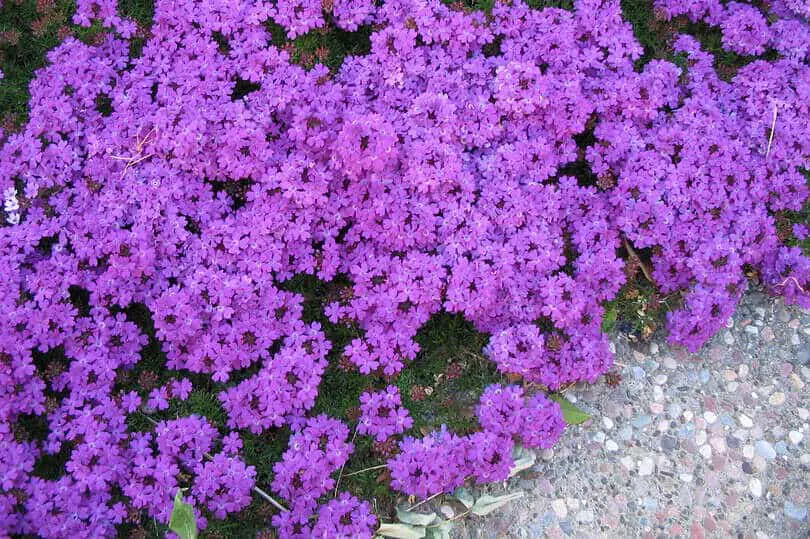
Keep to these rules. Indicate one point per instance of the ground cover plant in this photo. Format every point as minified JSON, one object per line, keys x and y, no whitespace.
{"x":288,"y":258}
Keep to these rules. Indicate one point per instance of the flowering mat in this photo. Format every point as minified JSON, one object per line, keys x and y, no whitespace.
{"x":298,"y":267}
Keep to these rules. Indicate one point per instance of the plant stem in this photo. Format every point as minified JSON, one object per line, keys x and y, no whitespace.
{"x":424,"y":501}
{"x":773,"y":129}
{"x":367,"y":470}
{"x":256,"y":489}
{"x":633,"y":253}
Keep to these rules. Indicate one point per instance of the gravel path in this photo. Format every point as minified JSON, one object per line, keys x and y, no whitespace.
{"x":715,"y":444}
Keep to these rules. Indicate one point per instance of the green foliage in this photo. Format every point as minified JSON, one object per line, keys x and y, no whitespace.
{"x":19,"y":58}
{"x":571,"y":414}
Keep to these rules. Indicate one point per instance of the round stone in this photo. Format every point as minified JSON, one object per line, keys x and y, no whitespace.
{"x":765,"y":449}
{"x":745,"y":421}
{"x":777,"y":399}
{"x":795,"y":437}
{"x":559,"y":508}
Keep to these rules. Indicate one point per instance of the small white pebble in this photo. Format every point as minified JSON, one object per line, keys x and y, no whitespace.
{"x":646,"y":466}
{"x":805,"y":459}
{"x":607,"y":422}
{"x":748,"y":452}
{"x":795,"y":437}
{"x":688,"y":415}
{"x":628,"y":462}
{"x":804,"y":414}
{"x":705,"y":451}
{"x":611,"y":446}
{"x":755,"y":485}
{"x":559,"y":508}
{"x":710,"y":417}
{"x":746,"y":421}
{"x":700,"y":437}
{"x":777,"y":399}
{"x":742,"y":372}
{"x":686,"y":477}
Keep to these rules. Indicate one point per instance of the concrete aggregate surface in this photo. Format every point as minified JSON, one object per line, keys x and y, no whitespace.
{"x":713,"y":444}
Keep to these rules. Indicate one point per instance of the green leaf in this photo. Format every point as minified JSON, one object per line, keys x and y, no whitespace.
{"x":183,"y":522}
{"x":609,"y":320}
{"x":487,"y":504}
{"x":463,"y":495}
{"x":523,"y":459}
{"x":417,"y":519}
{"x":401,"y":531}
{"x":571,"y":414}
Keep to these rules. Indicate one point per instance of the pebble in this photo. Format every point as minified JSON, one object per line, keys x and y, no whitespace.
{"x":718,"y":444}
{"x":795,"y":437}
{"x":628,"y":462}
{"x":585,"y":516}
{"x":755,"y":486}
{"x":742,"y":370}
{"x":607,"y":422}
{"x":710,"y":417}
{"x":559,"y":508}
{"x":777,"y":399}
{"x":794,"y":511}
{"x":748,"y":451}
{"x":447,"y":511}
{"x":611,"y":446}
{"x":705,"y":451}
{"x":765,"y":450}
{"x":753,"y":330}
{"x":668,"y":443}
{"x":686,"y":477}
{"x":641,"y":421}
{"x":745,"y":421}
{"x":646,"y":466}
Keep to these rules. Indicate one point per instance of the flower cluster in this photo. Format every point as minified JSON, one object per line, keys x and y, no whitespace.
{"x":505,"y":410}
{"x":305,"y":471}
{"x":490,"y":166}
{"x":382,"y":414}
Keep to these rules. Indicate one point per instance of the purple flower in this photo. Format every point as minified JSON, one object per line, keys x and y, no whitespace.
{"x":382,"y":414}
